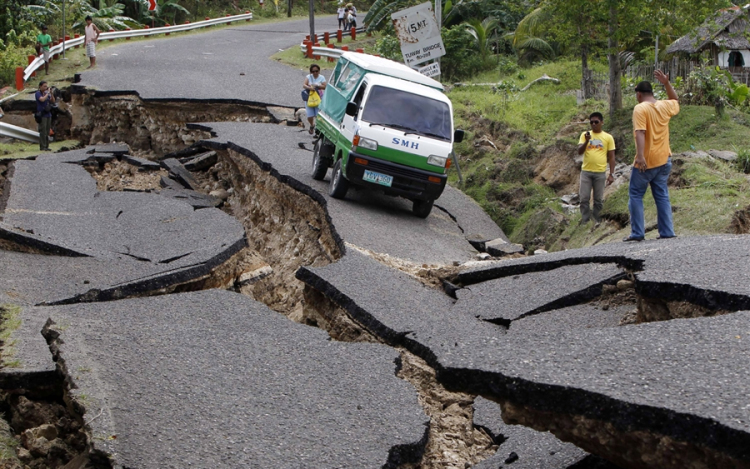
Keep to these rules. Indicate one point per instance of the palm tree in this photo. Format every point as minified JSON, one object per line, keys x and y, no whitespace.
{"x":528,"y":37}
{"x":481,"y":31}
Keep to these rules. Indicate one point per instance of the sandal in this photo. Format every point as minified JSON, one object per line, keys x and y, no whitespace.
{"x":630,"y":239}
{"x":311,"y":130}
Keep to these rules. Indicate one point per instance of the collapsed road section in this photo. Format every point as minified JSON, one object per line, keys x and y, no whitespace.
{"x":666,"y":394}
{"x":565,"y":343}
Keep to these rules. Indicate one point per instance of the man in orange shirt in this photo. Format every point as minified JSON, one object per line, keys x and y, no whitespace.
{"x":653,"y":161}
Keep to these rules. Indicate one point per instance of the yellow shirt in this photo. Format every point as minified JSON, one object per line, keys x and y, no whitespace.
{"x":595,"y":156}
{"x":654,"y":119}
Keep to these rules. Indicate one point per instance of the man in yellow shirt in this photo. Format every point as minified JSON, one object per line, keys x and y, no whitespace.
{"x":598,"y":149}
{"x":653,"y":161}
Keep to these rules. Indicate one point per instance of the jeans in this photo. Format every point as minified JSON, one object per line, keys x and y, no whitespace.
{"x":43,"y":128}
{"x":639,"y":182}
{"x":596,"y":181}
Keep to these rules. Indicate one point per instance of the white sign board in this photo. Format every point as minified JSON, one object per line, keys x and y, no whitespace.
{"x":418,"y":33}
{"x":431,"y":70}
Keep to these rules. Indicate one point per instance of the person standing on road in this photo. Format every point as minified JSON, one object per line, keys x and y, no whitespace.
{"x":340,"y":12}
{"x":346,"y":19}
{"x":91,"y":38}
{"x":44,"y":100}
{"x":653,"y":157}
{"x":598,"y":149}
{"x":352,"y":18}
{"x":43,"y":41}
{"x":315,"y":81}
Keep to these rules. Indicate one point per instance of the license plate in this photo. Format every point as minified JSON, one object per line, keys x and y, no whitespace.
{"x":377,"y":178}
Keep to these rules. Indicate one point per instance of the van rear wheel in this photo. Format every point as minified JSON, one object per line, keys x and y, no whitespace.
{"x":422,"y":208}
{"x":339,"y":184}
{"x":320,"y":164}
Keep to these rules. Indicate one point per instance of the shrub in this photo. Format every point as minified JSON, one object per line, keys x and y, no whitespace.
{"x":743,"y":161}
{"x":461,"y":59}
{"x":12,"y":56}
{"x":389,"y":47}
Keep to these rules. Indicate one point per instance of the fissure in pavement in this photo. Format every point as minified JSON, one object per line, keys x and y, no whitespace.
{"x":287,"y":227}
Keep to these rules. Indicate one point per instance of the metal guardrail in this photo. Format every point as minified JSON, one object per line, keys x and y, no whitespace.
{"x":360,"y":30}
{"x":70,"y":43}
{"x":327,"y":52}
{"x":13,"y":131}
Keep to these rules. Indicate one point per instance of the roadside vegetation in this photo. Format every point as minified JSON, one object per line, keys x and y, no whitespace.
{"x":519,"y":155}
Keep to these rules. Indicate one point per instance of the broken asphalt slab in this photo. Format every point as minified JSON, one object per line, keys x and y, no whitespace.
{"x":710,"y":271}
{"x":26,"y":359}
{"x":215,"y":379}
{"x":60,"y":204}
{"x":648,"y":395}
{"x":150,"y":242}
{"x":524,"y":448}
{"x":366,"y":219}
{"x":501,"y":301}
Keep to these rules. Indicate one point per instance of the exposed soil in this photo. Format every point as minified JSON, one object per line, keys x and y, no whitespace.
{"x":740,"y":223}
{"x":655,"y":309}
{"x":454,"y":442}
{"x":120,"y":176}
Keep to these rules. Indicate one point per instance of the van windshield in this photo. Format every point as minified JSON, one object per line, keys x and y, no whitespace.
{"x":409,"y":112}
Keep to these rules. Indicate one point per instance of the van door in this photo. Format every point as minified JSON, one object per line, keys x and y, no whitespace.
{"x":350,"y":124}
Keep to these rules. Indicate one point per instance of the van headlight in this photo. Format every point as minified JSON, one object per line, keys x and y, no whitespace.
{"x":367,"y":144}
{"x":437,"y":160}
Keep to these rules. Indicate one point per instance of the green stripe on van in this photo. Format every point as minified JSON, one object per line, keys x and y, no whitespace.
{"x":401,"y":157}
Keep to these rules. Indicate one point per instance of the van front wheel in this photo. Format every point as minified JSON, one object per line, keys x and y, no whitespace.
{"x":319,"y":163}
{"x":422,"y":208}
{"x":339,"y":184}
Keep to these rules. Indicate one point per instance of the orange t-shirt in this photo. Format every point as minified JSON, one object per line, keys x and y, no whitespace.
{"x":654,"y":119}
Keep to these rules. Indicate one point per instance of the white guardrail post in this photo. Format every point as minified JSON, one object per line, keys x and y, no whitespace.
{"x":76,"y":42}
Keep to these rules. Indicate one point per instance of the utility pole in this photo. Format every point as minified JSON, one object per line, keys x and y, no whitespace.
{"x":656,"y":53}
{"x":63,"y":28}
{"x":312,"y":21}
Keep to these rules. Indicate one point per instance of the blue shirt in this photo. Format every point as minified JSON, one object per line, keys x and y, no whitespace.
{"x":41,"y":104}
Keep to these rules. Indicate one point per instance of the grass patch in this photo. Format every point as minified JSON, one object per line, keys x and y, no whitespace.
{"x":10,"y":321}
{"x":712,"y":192}
{"x":18,"y":149}
{"x":8,"y":445}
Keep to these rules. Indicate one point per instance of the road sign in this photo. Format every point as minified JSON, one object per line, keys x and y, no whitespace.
{"x":151,"y":5}
{"x":419,"y":34}
{"x":431,"y":70}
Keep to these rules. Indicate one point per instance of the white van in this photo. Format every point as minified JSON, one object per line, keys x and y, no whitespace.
{"x":384,"y":126}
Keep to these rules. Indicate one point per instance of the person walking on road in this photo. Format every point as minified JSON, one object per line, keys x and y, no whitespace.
{"x":313,"y":82}
{"x":43,"y":41}
{"x":653,"y":157}
{"x":91,"y":38}
{"x":598,"y":149}
{"x":44,"y":100}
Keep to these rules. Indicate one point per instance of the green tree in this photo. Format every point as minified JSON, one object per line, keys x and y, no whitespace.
{"x":529,"y":38}
{"x":482,"y":31}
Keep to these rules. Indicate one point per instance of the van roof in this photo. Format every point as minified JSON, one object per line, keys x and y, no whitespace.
{"x":391,"y":68}
{"x":410,"y":87}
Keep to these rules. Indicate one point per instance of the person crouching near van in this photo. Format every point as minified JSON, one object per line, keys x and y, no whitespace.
{"x":314,"y":82}
{"x":597,"y":148}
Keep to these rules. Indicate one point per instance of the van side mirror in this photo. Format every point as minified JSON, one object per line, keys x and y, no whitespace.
{"x":351,"y":109}
{"x":458,"y":136}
